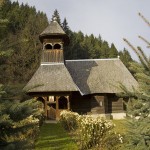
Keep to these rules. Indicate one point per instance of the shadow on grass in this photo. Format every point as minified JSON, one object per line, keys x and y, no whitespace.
{"x":53,"y":137}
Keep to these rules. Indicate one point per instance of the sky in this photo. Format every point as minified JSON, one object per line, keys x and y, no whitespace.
{"x":112,"y":19}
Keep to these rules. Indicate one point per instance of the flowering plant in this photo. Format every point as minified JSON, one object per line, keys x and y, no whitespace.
{"x":91,"y":131}
{"x":69,"y":120}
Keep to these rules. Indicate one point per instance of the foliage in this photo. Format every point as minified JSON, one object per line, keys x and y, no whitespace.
{"x":19,"y":123}
{"x":69,"y":120}
{"x":20,"y":48}
{"x":65,"y":26}
{"x":56,"y":16}
{"x":88,"y":47}
{"x":53,"y":136}
{"x":97,"y":132}
{"x":125,"y":58}
{"x":139,"y":105}
{"x":91,"y":131}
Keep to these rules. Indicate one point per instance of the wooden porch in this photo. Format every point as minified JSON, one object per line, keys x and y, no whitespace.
{"x":53,"y":105}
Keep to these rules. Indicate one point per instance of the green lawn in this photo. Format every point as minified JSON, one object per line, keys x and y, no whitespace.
{"x":120,"y":126}
{"x":53,"y":137}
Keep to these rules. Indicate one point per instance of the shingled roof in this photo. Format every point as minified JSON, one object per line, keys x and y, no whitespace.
{"x":100,"y":75}
{"x":54,"y":30}
{"x":87,"y":76}
{"x":51,"y":78}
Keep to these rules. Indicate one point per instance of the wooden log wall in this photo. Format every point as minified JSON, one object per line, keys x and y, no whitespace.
{"x":98,"y":104}
{"x":80,"y":104}
{"x":115,"y":104}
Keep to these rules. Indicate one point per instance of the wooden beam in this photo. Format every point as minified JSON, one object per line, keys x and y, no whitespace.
{"x":40,"y":94}
{"x":68,"y":102}
{"x":45,"y":107}
{"x":57,"y":108}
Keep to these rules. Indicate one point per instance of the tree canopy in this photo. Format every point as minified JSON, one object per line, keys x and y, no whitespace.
{"x":20,"y":48}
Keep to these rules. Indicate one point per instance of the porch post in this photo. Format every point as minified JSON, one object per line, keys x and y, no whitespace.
{"x":57,"y":108}
{"x":68,"y":102}
{"x":45,"y":107}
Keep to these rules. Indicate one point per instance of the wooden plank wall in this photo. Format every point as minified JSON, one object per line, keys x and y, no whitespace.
{"x":96,"y":104}
{"x":115,"y":104}
{"x":80,"y":104}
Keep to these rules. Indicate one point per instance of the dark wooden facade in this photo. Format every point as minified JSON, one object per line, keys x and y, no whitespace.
{"x":96,"y":103}
{"x":54,"y":103}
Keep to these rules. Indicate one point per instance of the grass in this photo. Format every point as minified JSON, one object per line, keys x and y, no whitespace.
{"x":120,"y":126}
{"x":54,"y":137}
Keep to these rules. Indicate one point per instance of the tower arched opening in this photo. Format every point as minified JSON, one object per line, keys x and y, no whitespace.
{"x":57,"y":46}
{"x":48,"y":46}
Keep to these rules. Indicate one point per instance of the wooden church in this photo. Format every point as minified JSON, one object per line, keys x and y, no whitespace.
{"x":86,"y":86}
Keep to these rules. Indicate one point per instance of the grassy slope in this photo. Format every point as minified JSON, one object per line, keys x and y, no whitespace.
{"x":53,"y":137}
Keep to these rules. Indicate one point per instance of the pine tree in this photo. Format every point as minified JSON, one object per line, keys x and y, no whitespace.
{"x":125,"y":58}
{"x":113,"y":51}
{"x":105,"y":50}
{"x":19,"y":122}
{"x":139,"y":105}
{"x":65,"y":26}
{"x":20,"y":48}
{"x":57,"y":16}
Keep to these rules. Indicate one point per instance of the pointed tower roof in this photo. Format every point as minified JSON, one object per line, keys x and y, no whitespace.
{"x":54,"y":30}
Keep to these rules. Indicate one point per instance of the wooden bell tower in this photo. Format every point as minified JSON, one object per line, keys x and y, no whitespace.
{"x":53,"y":39}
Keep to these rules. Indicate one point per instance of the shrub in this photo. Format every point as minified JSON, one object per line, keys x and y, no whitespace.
{"x":68,"y":120}
{"x":91,"y":132}
{"x":111,"y":141}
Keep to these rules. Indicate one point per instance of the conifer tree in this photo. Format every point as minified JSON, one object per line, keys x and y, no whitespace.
{"x":125,"y":57}
{"x":20,"y":48}
{"x":57,"y":16}
{"x":113,"y":51}
{"x":105,"y":50}
{"x":65,"y":26}
{"x":19,"y":122}
{"x":139,"y":105}
{"x":19,"y":39}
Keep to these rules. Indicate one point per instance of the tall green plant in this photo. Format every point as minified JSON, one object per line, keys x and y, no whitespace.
{"x":19,"y":122}
{"x":139,"y":105}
